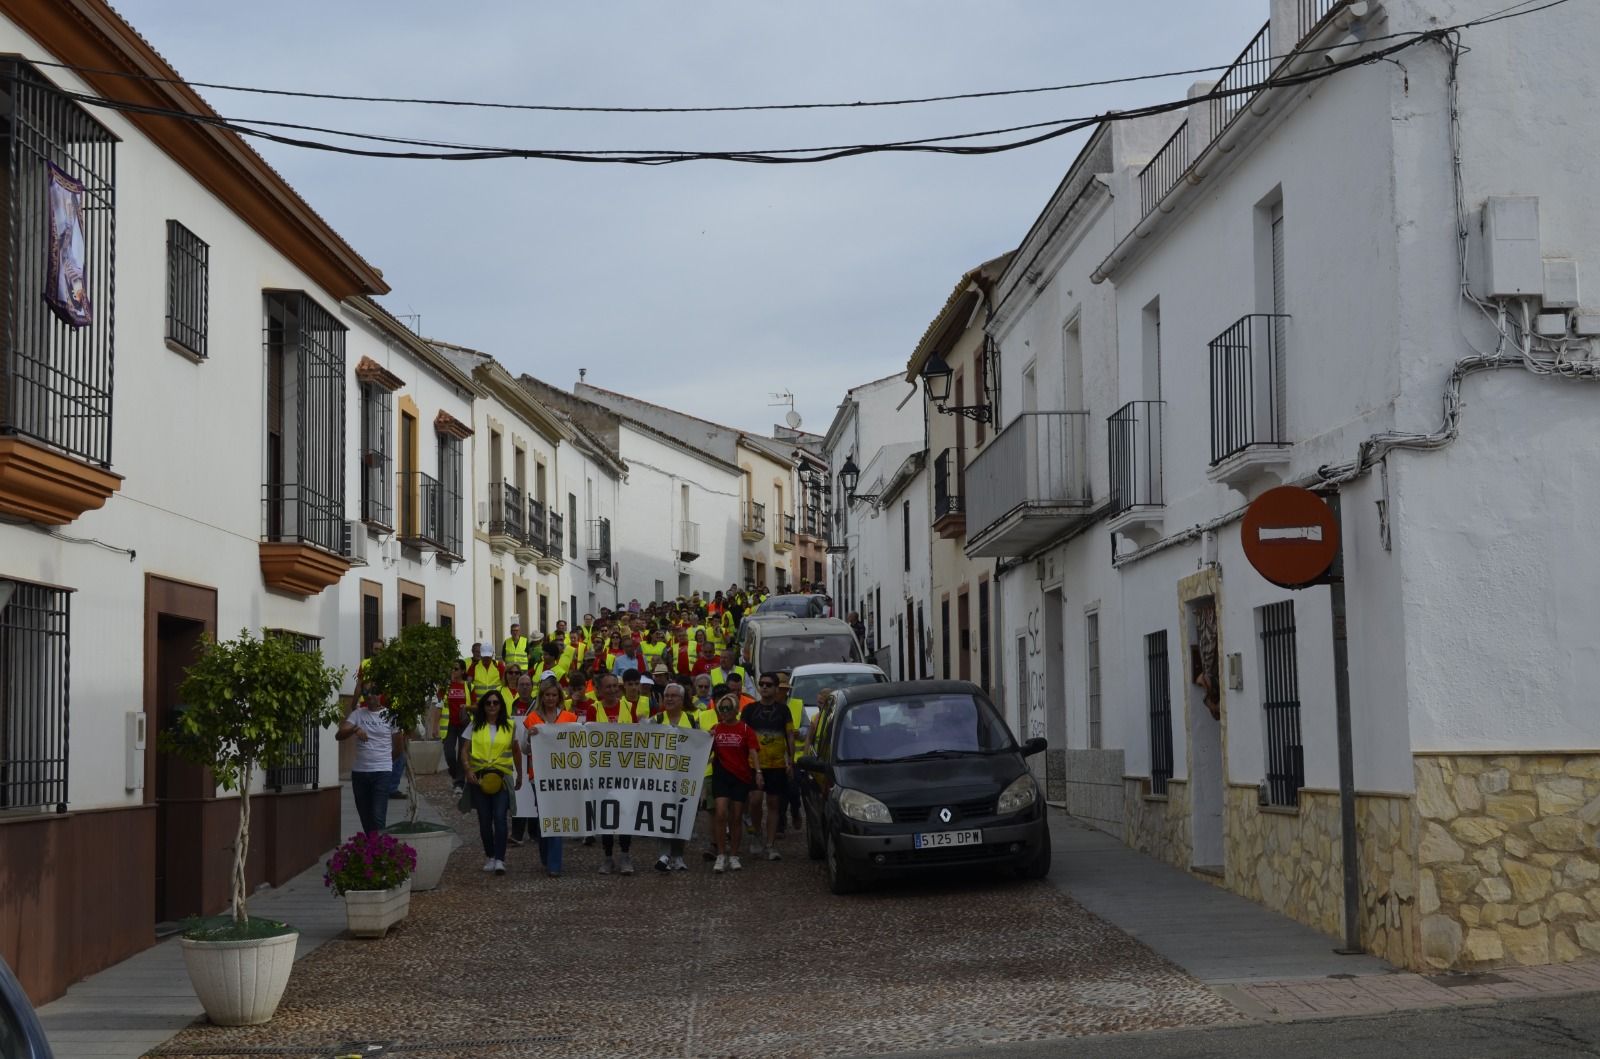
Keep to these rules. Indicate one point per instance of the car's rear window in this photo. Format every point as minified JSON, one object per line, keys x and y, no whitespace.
{"x":799,"y":606}
{"x":892,"y":729}
{"x":806,"y":688}
{"x":786,"y":651}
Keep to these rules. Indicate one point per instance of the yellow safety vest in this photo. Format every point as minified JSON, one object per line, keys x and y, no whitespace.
{"x":707,"y":720}
{"x":485,"y":678}
{"x":623,"y":715}
{"x":491,"y":749}
{"x":717,"y":677}
{"x":797,"y":712}
{"x":684,"y":720}
{"x":639,"y":708}
{"x":515,"y":652}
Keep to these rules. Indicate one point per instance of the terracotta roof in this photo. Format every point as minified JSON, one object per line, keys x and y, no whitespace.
{"x":445,"y":423}
{"x":369,"y":370}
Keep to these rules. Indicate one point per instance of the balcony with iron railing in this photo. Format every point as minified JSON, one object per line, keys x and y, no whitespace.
{"x":753,"y":522}
{"x":599,"y":553}
{"x":550,"y":549}
{"x":377,"y":508}
{"x":1238,"y":86}
{"x":784,"y":541}
{"x":422,"y":505}
{"x":1248,"y":439}
{"x":507,"y":516}
{"x":1029,"y":484}
{"x":1134,"y":451}
{"x":532,"y":544}
{"x":688,"y":541}
{"x":949,"y":513}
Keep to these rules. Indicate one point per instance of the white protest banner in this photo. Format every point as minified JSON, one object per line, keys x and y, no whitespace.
{"x":618,"y":779}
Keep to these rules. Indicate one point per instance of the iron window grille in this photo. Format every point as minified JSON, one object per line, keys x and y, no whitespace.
{"x":1280,"y":701}
{"x":422,"y":517}
{"x":946,"y":494}
{"x":600,"y":543}
{"x":1092,"y":675}
{"x":450,"y":493}
{"x":35,"y":628}
{"x":55,"y":380}
{"x":304,"y":491}
{"x":506,"y":515}
{"x":1246,"y":385}
{"x":572,"y":528}
{"x":188,"y":288}
{"x":302,"y":762}
{"x":377,"y":504}
{"x":538,"y":533}
{"x":557,"y":532}
{"x":755,"y":517}
{"x":1160,"y":694}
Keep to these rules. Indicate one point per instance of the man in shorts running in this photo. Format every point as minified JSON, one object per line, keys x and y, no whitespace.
{"x":734,"y":767}
{"x":775,"y":734}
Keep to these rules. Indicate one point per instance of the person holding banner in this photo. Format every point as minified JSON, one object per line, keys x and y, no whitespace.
{"x":547,"y":710}
{"x":735,"y":766}
{"x":673,"y":715}
{"x":491,"y":756}
{"x":612,"y":710}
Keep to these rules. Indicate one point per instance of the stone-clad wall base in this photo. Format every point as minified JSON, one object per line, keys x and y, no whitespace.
{"x":1156,"y":826}
{"x":1509,"y":871}
{"x":1094,"y":788}
{"x":1386,"y":844}
{"x":1289,"y":862}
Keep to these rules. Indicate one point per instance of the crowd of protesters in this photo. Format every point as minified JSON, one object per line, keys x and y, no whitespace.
{"x":673,"y":663}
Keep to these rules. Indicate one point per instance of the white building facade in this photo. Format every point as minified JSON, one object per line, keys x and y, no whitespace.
{"x":1268,"y":289}
{"x":190,"y":491}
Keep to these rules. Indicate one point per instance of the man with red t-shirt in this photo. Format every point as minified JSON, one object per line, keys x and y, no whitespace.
{"x":455,"y":700}
{"x":734,"y":768}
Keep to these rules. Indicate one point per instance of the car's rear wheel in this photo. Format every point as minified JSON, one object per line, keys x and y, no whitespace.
{"x":841,"y":880}
{"x":1037,"y":866}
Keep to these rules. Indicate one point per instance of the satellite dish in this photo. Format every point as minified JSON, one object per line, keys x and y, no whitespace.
{"x":793,"y":419}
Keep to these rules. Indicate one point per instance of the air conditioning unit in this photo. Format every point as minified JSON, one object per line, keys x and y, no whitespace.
{"x":353,"y":542}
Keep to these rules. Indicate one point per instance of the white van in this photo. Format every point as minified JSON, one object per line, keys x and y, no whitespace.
{"x":771,"y":646}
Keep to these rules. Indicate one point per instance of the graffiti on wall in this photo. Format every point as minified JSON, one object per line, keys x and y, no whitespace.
{"x":1036,"y":668}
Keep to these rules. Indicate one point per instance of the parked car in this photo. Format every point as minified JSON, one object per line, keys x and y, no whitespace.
{"x":770,"y":644}
{"x":912,"y":776}
{"x":21,"y":1036}
{"x":797,"y":605}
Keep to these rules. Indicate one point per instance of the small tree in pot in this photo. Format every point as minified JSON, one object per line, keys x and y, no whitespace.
{"x":409,"y":671}
{"x":248,"y":703}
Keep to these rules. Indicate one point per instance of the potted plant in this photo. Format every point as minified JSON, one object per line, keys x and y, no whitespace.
{"x":372,"y":872}
{"x":409,"y":672}
{"x":247,"y":702}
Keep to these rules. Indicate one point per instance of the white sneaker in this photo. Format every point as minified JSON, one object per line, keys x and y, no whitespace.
{"x":663,"y":863}
{"x":721,"y":865}
{"x":773,"y":854}
{"x":499,"y":867}
{"x":606,"y":866}
{"x":733,"y":864}
{"x":678,"y":864}
{"x":625,"y":864}
{"x":488,"y":865}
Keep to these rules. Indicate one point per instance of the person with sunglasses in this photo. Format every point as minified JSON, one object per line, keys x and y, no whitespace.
{"x":735,"y":768}
{"x":775,"y":735}
{"x":490,"y":757}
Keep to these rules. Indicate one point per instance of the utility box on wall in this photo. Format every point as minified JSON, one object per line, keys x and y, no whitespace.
{"x":1511,"y":265}
{"x":134,"y":744}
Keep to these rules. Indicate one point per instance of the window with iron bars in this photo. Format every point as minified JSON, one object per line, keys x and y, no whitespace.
{"x":188,"y":288}
{"x":55,"y":379}
{"x":35,"y":626}
{"x":377,"y":496}
{"x":1159,"y":683}
{"x":1091,"y":626}
{"x":450,"y":486}
{"x":1280,"y":703}
{"x":301,"y":766}
{"x":304,"y":491}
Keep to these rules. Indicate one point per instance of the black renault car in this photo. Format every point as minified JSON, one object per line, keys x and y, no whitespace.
{"x":918,"y":775}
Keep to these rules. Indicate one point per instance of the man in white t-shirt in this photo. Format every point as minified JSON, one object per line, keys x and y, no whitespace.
{"x":377,"y":746}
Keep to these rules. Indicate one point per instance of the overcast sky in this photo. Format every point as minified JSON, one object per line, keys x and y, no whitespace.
{"x":705,"y":286}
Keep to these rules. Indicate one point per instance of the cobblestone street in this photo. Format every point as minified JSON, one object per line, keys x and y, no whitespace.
{"x":760,"y":963}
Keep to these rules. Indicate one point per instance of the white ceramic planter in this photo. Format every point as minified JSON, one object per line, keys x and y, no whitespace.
{"x":239,"y":983}
{"x":433,"y":853}
{"x":370,"y":913}
{"x":427,"y":756}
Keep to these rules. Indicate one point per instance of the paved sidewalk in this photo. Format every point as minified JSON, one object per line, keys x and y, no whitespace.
{"x":1265,"y":964}
{"x":142,"y":1002}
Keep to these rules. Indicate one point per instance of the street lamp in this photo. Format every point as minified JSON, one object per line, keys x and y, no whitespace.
{"x":849,"y":474}
{"x":936,"y":376}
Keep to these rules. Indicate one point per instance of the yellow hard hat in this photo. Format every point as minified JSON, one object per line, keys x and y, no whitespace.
{"x":490,"y":783}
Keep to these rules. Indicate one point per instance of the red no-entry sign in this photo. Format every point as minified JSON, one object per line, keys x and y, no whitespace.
{"x":1290,"y":536}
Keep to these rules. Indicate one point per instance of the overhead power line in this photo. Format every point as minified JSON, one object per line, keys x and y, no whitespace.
{"x":942,"y":144}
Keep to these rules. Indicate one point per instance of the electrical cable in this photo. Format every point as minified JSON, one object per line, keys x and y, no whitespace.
{"x":931,"y":144}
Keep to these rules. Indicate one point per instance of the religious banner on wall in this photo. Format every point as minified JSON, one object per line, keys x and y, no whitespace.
{"x":66,"y":288}
{"x":618,"y":779}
